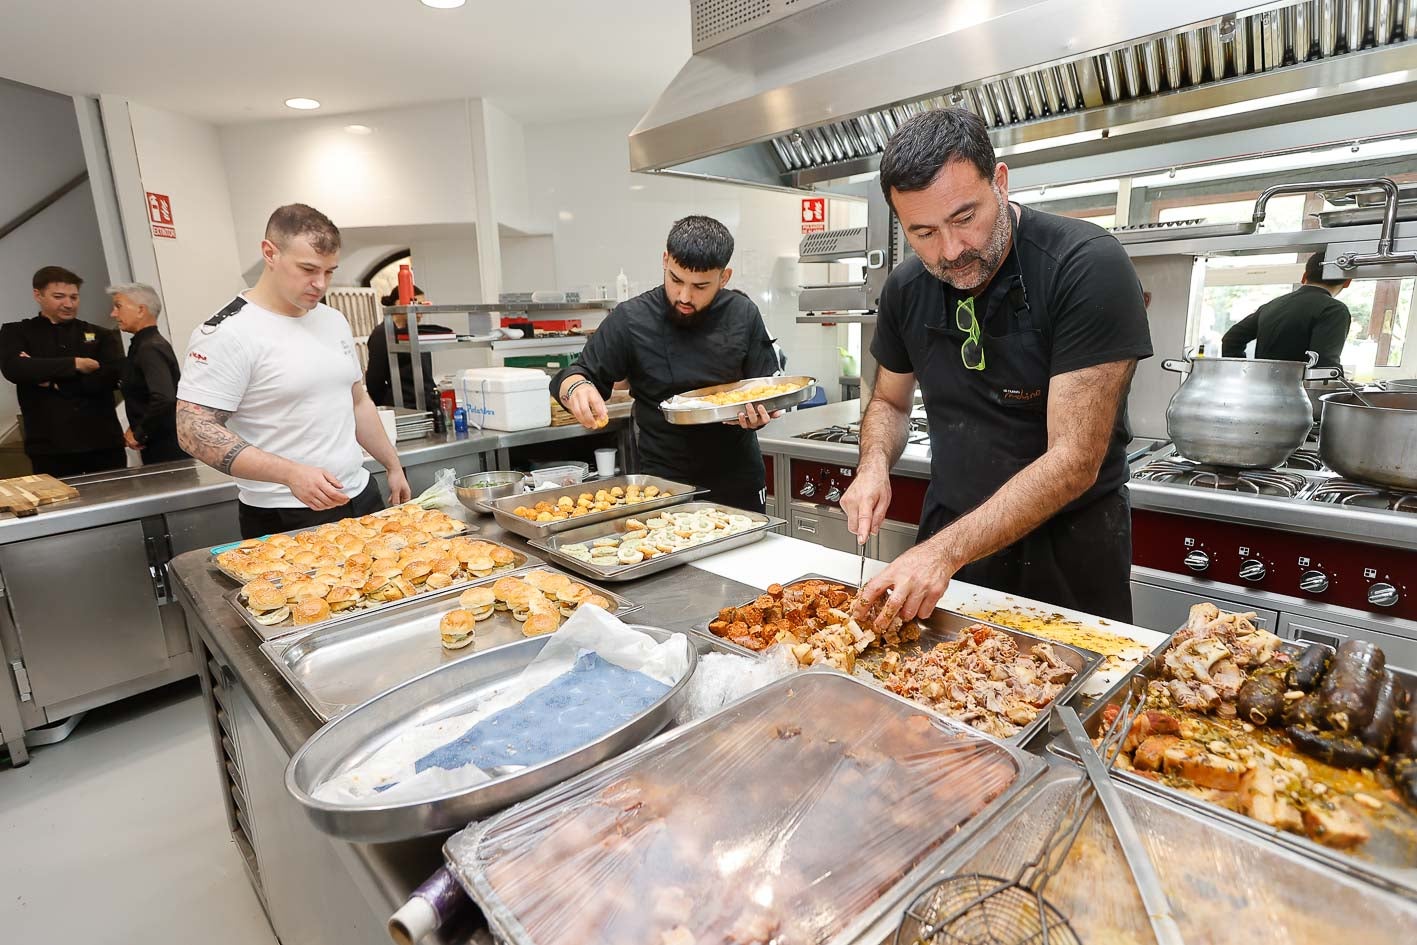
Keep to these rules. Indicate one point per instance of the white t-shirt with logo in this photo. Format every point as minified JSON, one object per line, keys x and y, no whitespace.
{"x":289,"y":382}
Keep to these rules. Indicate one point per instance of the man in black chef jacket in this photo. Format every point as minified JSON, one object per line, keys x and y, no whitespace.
{"x":1287,"y":328}
{"x":150,"y":375}
{"x":65,"y":371}
{"x":690,"y":332}
{"x":1023,"y":330}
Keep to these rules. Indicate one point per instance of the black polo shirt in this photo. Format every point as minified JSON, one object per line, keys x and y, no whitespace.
{"x":1066,"y":298}
{"x":1289,"y":327}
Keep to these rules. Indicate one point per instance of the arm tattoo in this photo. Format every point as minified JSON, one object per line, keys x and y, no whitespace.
{"x":202,"y":432}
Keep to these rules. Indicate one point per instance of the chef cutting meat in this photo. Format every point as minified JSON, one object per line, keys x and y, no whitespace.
{"x":691,"y":332}
{"x":1022,"y":329}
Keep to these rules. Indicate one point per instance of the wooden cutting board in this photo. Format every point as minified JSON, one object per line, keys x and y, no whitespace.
{"x":25,"y":494}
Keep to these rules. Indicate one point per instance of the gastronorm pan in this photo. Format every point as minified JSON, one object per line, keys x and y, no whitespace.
{"x":696,"y":415}
{"x":670,"y":493}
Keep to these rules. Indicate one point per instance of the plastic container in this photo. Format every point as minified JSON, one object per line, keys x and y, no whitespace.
{"x":503,"y":398}
{"x":622,"y":287}
{"x":568,"y":474}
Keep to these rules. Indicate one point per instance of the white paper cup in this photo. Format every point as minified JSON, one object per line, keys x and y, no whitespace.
{"x":605,"y":463}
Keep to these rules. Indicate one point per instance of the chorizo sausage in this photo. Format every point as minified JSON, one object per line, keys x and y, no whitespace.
{"x":1341,"y":751}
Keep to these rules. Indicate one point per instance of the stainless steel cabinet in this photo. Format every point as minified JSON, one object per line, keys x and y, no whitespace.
{"x":894,"y":539}
{"x":1400,"y":651}
{"x":1163,"y":610}
{"x":824,"y":526}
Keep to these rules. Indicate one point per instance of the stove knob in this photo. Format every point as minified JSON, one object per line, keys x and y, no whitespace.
{"x":833,"y":494}
{"x":1253,"y":569}
{"x":1382,"y":594}
{"x":809,"y":489}
{"x":1197,"y":560}
{"x":1313,"y":582}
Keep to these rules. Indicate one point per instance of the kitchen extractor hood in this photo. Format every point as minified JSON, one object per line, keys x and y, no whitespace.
{"x":795,"y":93}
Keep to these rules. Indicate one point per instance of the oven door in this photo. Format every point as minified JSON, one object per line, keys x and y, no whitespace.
{"x":1163,"y":609}
{"x":1399,"y":650}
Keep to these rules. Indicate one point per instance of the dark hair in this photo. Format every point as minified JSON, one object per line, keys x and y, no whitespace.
{"x":923,"y":145}
{"x":52,"y":274}
{"x":1314,"y":272}
{"x":393,"y":297}
{"x":700,"y":244}
{"x":298,"y":219}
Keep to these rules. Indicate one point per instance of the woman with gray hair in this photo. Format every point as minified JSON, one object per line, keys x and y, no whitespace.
{"x":150,"y":375}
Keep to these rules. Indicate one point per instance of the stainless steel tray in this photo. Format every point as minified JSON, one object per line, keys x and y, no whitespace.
{"x":1265,"y":894}
{"x":551,"y":545}
{"x":438,"y":693}
{"x":1388,"y":859}
{"x":523,"y":560}
{"x":338,"y":667}
{"x":1144,"y":233}
{"x":944,"y":626}
{"x":502,"y":508}
{"x":1364,"y":215}
{"x":693,"y":416}
{"x":459,"y":849}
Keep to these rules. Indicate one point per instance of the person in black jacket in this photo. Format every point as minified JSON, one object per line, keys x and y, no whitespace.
{"x":1308,"y":319}
{"x":378,"y":379}
{"x":150,"y":375}
{"x":691,"y":332}
{"x":65,"y":371}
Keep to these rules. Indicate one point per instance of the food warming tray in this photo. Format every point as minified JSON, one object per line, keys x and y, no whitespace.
{"x":287,"y":626}
{"x":815,"y":802}
{"x":335,"y":668}
{"x":1389,"y":858}
{"x":692,"y":416}
{"x":943,"y":626}
{"x":551,"y":545}
{"x":671,"y":492}
{"x":448,"y":690}
{"x":216,"y":550}
{"x":1224,"y":884}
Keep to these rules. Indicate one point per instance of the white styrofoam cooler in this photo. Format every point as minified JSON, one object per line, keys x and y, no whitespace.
{"x":503,"y":398}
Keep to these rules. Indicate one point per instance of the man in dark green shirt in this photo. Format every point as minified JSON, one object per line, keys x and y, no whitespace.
{"x":1307,"y":319}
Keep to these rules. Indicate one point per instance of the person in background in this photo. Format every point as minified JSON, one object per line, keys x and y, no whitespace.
{"x":378,"y":380}
{"x":1287,"y":328}
{"x":150,"y":375}
{"x":691,"y":332}
{"x":65,"y":371}
{"x":272,"y":393}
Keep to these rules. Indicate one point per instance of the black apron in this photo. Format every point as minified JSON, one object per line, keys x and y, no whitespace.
{"x":986,"y":426}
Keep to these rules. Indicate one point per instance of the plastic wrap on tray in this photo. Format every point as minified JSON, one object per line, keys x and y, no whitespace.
{"x":1224,"y":884}
{"x":782,"y":819}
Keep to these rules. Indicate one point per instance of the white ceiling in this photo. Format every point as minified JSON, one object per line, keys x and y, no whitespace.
{"x":227,"y":62}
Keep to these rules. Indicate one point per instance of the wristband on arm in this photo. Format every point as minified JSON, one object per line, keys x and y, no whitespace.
{"x":572,"y":389}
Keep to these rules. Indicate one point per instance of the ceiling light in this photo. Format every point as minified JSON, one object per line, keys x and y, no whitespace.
{"x":304,"y":104}
{"x":443,"y":4}
{"x":359,"y":129}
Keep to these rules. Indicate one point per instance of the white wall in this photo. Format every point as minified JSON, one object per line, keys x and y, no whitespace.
{"x":199,"y":270}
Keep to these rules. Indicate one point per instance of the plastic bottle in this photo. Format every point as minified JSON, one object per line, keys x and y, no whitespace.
{"x":1200,"y":352}
{"x":405,"y":284}
{"x":460,"y":423}
{"x":622,"y":287}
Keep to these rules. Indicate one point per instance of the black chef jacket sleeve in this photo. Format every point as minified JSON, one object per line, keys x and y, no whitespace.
{"x":888,"y":345}
{"x":1099,"y":316}
{"x":1330,"y":333}
{"x":605,"y":358}
{"x":162,"y":392}
{"x":29,"y":370}
{"x":110,"y":365}
{"x":761,"y":360}
{"x":1240,"y":334}
{"x":377,"y":379}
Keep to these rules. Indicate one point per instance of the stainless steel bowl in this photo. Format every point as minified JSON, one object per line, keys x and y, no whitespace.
{"x":1376,"y":444}
{"x":474,"y":497}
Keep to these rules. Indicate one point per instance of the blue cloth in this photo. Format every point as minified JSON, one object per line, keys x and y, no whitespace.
{"x":569,"y":712}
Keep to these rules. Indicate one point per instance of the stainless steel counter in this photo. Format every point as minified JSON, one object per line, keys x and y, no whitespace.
{"x":779,"y":438}
{"x":257,"y":722}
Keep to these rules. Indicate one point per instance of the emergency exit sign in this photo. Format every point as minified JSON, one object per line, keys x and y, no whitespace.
{"x":160,"y":216}
{"x":814,"y":214}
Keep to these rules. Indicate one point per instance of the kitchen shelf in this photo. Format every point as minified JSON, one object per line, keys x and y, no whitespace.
{"x":845,"y":318}
{"x":530,"y":309}
{"x":1298,"y":241}
{"x":540,"y":345}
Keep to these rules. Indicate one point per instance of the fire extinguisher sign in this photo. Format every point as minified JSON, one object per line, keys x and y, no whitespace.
{"x":160,"y":216}
{"x":814,"y":214}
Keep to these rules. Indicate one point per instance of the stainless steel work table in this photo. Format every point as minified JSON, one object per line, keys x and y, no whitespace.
{"x":316,"y":888}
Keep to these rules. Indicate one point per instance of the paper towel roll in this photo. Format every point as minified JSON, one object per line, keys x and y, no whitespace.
{"x":386,"y":417}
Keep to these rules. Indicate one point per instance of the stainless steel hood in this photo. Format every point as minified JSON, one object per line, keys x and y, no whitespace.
{"x":793,"y":93}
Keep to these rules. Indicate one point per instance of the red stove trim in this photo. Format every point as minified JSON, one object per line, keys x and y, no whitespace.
{"x":768,"y":470}
{"x":1162,"y":542}
{"x":907,"y":492}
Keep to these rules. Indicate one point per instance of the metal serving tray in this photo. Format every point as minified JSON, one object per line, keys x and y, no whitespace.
{"x":693,"y":416}
{"x":671,"y":492}
{"x":944,"y":626}
{"x":449,"y":690}
{"x":1388,"y":859}
{"x":864,"y":703}
{"x":1145,"y":233}
{"x":1364,"y":215}
{"x":338,"y":667}
{"x":551,"y":545}
{"x":285,"y":627}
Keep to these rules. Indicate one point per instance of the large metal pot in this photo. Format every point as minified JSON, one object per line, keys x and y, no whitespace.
{"x":1375,"y":444}
{"x":1241,"y":412}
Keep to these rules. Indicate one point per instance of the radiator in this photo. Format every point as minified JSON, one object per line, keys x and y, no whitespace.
{"x":361,"y":308}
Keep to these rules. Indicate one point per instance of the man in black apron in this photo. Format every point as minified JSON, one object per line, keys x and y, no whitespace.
{"x":1023,"y":330}
{"x":688,"y":333}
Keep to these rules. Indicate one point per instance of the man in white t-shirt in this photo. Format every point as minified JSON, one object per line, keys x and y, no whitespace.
{"x":272,"y":392}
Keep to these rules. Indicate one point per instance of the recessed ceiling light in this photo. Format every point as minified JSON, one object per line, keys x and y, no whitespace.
{"x":305,"y":104}
{"x":443,"y":4}
{"x":359,"y":129}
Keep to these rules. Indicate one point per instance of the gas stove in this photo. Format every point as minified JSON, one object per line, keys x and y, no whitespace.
{"x":1183,"y":472}
{"x":1337,"y":491}
{"x":850,"y":435}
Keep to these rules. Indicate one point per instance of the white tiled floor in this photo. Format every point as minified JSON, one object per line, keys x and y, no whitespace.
{"x":118,"y":835}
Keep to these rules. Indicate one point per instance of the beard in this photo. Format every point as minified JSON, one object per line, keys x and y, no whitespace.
{"x":973,"y":268}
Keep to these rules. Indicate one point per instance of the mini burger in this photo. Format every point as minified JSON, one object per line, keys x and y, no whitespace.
{"x":457,"y":628}
{"x":341,"y":597}
{"x":266,"y":603}
{"x":481,"y":565}
{"x":479,"y":601}
{"x":417,"y":572}
{"x":311,"y":610}
{"x":437,"y":581}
